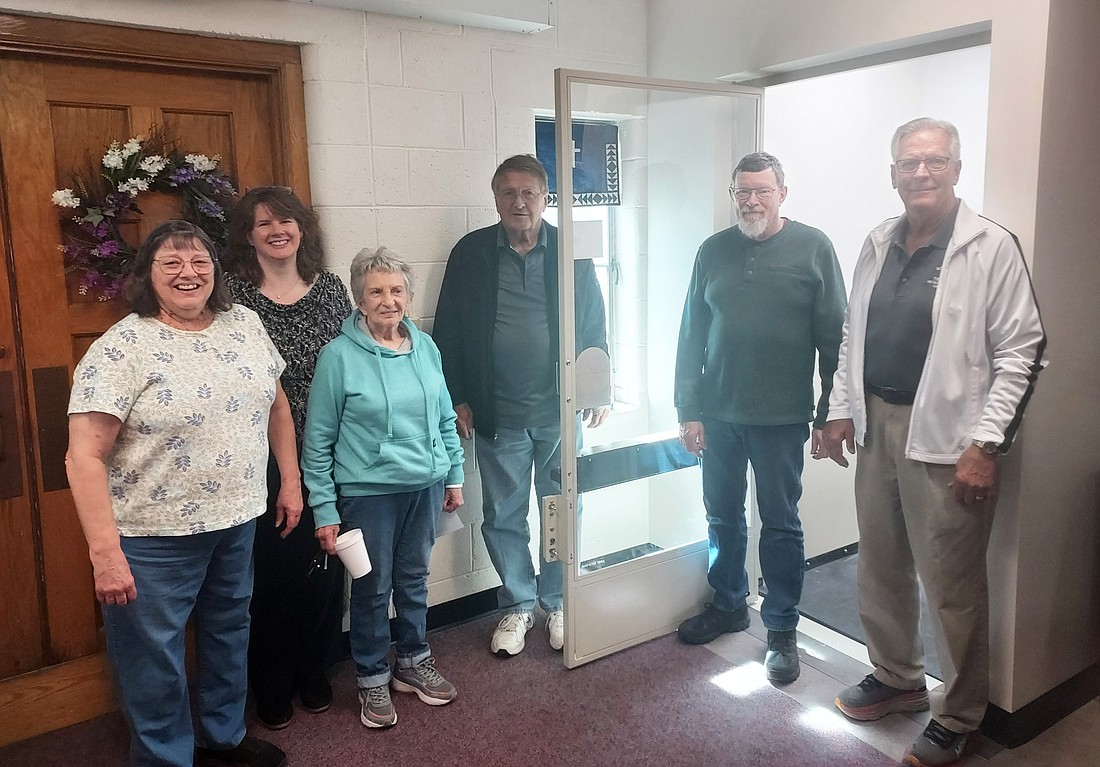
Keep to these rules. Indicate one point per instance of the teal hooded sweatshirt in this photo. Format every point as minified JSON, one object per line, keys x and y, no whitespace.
{"x":379,"y":421}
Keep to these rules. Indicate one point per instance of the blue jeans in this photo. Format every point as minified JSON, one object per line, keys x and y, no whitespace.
{"x":208,"y":575}
{"x":399,"y":530}
{"x":506,"y":463}
{"x":777,"y":455}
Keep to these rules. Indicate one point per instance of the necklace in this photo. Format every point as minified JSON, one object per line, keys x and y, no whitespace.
{"x":291,"y":291}
{"x":201,"y":322}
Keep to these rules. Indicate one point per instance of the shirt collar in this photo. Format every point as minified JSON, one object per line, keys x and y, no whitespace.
{"x":502,"y":238}
{"x":942,"y":236}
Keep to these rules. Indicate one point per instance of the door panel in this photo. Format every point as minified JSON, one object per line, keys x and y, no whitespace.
{"x":636,"y":548}
{"x":67,"y":89}
{"x":21,"y":648}
{"x":59,"y":114}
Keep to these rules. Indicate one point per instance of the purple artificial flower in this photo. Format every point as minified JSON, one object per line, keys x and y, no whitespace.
{"x":183,"y":175}
{"x":107,"y":249}
{"x":221,"y":185}
{"x":118,"y":201}
{"x":210,"y":209}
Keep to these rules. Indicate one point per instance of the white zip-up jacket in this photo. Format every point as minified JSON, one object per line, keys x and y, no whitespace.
{"x":987,"y":348}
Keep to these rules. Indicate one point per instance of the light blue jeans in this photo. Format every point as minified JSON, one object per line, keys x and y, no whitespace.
{"x":209,"y":575}
{"x":777,"y":455}
{"x":506,"y":463}
{"x":399,"y":530}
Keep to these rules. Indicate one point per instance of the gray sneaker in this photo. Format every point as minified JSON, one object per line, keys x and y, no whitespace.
{"x":428,"y":684}
{"x":937,"y":746}
{"x":377,"y":708}
{"x":871,"y":699}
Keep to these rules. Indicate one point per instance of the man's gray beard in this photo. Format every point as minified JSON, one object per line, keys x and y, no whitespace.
{"x":754,"y":230}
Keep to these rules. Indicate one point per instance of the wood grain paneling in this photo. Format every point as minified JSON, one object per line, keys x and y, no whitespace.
{"x":66,"y":89}
{"x":55,"y":697}
{"x":21,"y":602}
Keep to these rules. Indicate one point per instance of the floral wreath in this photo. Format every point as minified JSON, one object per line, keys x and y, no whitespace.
{"x":108,"y":191}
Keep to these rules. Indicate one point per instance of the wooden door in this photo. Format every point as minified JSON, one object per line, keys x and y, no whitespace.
{"x":56,"y":111}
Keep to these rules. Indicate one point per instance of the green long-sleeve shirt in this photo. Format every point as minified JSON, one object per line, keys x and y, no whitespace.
{"x":755,"y":313}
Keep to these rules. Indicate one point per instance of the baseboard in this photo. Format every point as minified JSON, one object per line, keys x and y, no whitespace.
{"x":832,"y":556}
{"x":40,"y":701}
{"x":1018,"y":727}
{"x":462,"y":610}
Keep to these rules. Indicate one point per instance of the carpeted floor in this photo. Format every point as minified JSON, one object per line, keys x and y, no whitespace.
{"x":829,"y":597}
{"x":651,"y":705}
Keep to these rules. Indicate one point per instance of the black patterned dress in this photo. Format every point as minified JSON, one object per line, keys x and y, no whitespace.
{"x":297,"y":601}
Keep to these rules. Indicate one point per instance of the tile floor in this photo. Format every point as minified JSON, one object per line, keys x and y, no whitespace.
{"x":831,"y":662}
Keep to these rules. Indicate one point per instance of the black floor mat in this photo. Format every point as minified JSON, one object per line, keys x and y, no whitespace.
{"x":829,"y":597}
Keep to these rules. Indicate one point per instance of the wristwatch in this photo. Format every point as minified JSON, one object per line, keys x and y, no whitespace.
{"x":989,"y":448}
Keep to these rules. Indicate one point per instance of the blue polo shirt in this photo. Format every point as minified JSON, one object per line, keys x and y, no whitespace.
{"x":524,"y":382}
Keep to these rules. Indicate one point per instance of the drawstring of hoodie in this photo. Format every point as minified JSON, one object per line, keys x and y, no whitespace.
{"x":385,"y":390}
{"x":427,"y":404}
{"x":376,"y":350}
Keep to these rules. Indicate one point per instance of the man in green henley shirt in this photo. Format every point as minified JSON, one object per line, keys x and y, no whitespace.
{"x":764,"y":296}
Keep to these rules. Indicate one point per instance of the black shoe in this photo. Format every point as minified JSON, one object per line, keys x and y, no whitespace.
{"x":781,"y":662}
{"x":316,"y":693}
{"x":274,"y":716}
{"x":251,"y":751}
{"x":711,"y":624}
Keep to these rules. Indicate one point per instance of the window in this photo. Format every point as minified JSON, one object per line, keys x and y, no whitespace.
{"x":596,"y":192}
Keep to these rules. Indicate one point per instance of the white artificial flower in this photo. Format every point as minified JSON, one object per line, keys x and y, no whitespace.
{"x":65,"y":198}
{"x":200,"y":162}
{"x":113,"y":158}
{"x":132,"y":186}
{"x":131,"y":147}
{"x":153,"y":164}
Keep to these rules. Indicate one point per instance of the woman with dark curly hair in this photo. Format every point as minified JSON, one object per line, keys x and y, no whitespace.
{"x":276,"y":268}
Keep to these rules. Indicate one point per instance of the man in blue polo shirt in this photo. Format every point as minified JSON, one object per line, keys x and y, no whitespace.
{"x":497,"y":329}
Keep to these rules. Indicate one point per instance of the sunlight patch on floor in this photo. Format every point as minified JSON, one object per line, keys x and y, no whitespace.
{"x":742,"y":681}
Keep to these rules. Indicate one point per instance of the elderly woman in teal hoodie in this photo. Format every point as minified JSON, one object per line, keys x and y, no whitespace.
{"x":381,"y":453}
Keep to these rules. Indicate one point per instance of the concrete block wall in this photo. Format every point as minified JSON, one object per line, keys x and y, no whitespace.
{"x":406,"y":121}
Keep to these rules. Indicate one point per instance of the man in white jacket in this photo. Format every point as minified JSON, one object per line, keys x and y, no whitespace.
{"x":942,"y":345}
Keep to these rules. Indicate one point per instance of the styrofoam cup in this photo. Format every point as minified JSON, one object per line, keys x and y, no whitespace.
{"x":352,"y":551}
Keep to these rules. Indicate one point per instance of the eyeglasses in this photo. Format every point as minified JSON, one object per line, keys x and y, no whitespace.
{"x":743,"y":195}
{"x":933,"y":164}
{"x":527,"y":195}
{"x":173,"y":266}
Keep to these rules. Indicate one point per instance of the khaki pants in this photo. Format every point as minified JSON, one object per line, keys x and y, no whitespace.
{"x":910,"y":524}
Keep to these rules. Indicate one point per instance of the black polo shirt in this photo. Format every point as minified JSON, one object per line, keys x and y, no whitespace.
{"x":899,"y":316}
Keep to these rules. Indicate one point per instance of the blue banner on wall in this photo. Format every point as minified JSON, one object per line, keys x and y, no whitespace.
{"x":595,"y":160}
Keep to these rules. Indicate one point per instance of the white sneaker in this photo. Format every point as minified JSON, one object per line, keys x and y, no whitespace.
{"x":555,"y":627}
{"x":508,"y":638}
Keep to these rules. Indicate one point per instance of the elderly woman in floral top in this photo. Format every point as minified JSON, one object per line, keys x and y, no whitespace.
{"x":276,"y":268}
{"x":170,"y":418}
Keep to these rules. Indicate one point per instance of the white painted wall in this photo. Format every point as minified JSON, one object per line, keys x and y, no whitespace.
{"x":1041,"y":167}
{"x":406,"y":121}
{"x":832,"y":135}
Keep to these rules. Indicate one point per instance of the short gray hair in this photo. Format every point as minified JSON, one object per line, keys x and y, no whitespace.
{"x":380,"y":259}
{"x":760,"y":161}
{"x":927,"y":123}
{"x":523,"y":163}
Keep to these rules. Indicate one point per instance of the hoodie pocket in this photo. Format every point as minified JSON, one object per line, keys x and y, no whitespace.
{"x":403,"y":462}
